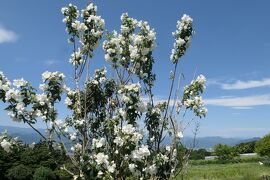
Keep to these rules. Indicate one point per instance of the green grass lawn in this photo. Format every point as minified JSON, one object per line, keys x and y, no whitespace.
{"x":238,"y":171}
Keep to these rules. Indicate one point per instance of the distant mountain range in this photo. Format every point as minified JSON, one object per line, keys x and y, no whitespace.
{"x":28,"y":136}
{"x":210,"y":142}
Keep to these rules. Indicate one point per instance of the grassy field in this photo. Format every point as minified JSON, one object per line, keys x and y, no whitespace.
{"x":238,"y":171}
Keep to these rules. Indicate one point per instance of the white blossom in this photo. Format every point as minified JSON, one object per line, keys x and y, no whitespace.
{"x":111,"y":168}
{"x":52,"y":75}
{"x":118,"y":141}
{"x":136,"y":137}
{"x":100,"y":173}
{"x":79,"y":122}
{"x":152,"y":169}
{"x":46,"y":75}
{"x":32,"y":145}
{"x":76,"y":148}
{"x":20,"y":107}
{"x":132,"y":167}
{"x":42,"y":99}
{"x":182,"y":36}
{"x":12,"y":94}
{"x":73,"y":136}
{"x":98,"y":143}
{"x":128,"y":129}
{"x":141,"y":153}
{"x":6,"y":145}
{"x":179,"y":134}
{"x":122,"y":112}
{"x":43,"y":87}
{"x":101,"y":158}
{"x":19,"y":82}
{"x":201,"y":79}
{"x":68,"y":101}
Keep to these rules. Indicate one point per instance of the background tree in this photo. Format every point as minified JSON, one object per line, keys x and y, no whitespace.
{"x":262,"y":146}
{"x":44,"y":173}
{"x":199,"y":154}
{"x":246,"y":147}
{"x":29,"y":159}
{"x":225,"y":152}
{"x":20,"y":172}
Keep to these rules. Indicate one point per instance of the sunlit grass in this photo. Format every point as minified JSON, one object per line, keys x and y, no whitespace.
{"x":238,"y":171}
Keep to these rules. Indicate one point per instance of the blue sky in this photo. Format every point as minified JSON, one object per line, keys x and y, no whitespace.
{"x":231,"y":48}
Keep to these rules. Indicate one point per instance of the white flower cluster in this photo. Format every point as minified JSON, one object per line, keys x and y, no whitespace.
{"x":192,"y":100}
{"x":128,"y":140}
{"x":77,"y":58}
{"x":95,"y":24}
{"x":197,"y":105}
{"x":7,"y":143}
{"x":127,"y":134}
{"x":23,"y":94}
{"x":182,"y":36}
{"x":201,"y":80}
{"x":79,"y":122}
{"x":113,"y":48}
{"x":19,"y":82}
{"x":4,"y":85}
{"x":128,"y":24}
{"x":13,"y":94}
{"x":98,"y":143}
{"x":19,"y":96}
{"x":130,"y":88}
{"x":130,"y":95}
{"x":100,"y":76}
{"x":76,"y":148}
{"x":71,"y":13}
{"x":103,"y":160}
{"x":141,"y":50}
{"x":70,"y":98}
{"x":140,"y":153}
{"x":152,"y":169}
{"x":44,"y":106}
{"x":130,"y":47}
{"x":48,"y":76}
{"x":42,"y":99}
{"x":41,"y":104}
{"x":89,"y":30}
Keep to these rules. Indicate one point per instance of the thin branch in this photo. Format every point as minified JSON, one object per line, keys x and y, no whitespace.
{"x":177,"y":92}
{"x":168,"y":102}
{"x":35,"y":129}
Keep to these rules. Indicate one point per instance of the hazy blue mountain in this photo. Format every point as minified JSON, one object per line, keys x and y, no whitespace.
{"x":210,"y":142}
{"x":28,"y":135}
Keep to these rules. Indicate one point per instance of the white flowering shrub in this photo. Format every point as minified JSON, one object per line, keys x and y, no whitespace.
{"x":8,"y":143}
{"x":116,"y":128}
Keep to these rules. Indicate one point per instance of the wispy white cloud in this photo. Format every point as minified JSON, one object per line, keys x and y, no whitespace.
{"x":7,"y":35}
{"x":246,"y":84}
{"x":240,"y":102}
{"x":213,"y":81}
{"x":242,"y":107}
{"x":51,"y":62}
